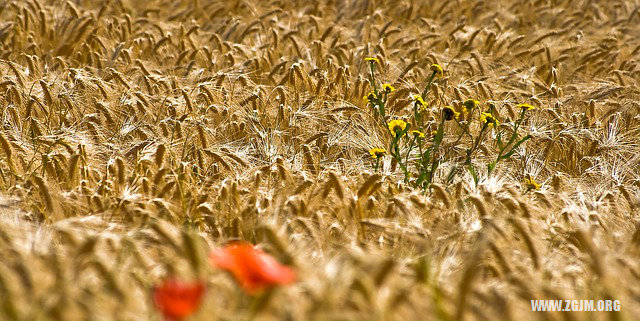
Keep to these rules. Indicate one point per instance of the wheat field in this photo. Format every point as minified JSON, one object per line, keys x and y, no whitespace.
{"x":137,"y":136}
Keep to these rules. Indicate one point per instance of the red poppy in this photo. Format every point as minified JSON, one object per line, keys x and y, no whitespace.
{"x":177,"y":300}
{"x":252,"y":268}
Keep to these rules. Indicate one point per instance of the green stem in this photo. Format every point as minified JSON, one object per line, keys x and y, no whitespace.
{"x":426,"y":88}
{"x":514,"y":135}
{"x":381,"y":105}
{"x":406,"y":161}
{"x":464,"y":129}
{"x":421,"y":164}
{"x":379,"y":101}
{"x":452,"y":146}
{"x":436,"y":146}
{"x":402,"y":166}
{"x":516,"y":127}
{"x":373,"y":79}
{"x":395,"y":153}
{"x":475,"y":145}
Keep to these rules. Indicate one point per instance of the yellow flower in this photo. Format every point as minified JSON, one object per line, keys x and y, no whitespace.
{"x":531,"y":183}
{"x":525,"y":106}
{"x":437,"y":69}
{"x":388,"y":88}
{"x":417,"y":133}
{"x":397,"y":126}
{"x":370,"y":98}
{"x":471,"y":103}
{"x":372,"y":59}
{"x":377,"y":152}
{"x":449,"y":113}
{"x":420,"y":102}
{"x":489,"y":120}
{"x":434,"y":133}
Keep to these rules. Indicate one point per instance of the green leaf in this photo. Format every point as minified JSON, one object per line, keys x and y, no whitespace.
{"x":509,"y":154}
{"x":500,"y":140}
{"x":452,"y":173}
{"x":434,"y":166}
{"x":472,"y":170}
{"x":490,"y":167}
{"x":422,"y":177}
{"x":425,"y":157}
{"x":406,"y":129}
{"x":524,"y":139}
{"x":439,"y":135}
{"x":515,"y":146}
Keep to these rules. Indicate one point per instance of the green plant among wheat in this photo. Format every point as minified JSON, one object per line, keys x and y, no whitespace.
{"x":419,"y":155}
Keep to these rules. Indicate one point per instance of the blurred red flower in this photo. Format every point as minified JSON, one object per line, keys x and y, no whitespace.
{"x":254,"y":269}
{"x":177,"y":300}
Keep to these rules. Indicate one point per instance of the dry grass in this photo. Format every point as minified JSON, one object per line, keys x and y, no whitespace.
{"x":136,"y":135}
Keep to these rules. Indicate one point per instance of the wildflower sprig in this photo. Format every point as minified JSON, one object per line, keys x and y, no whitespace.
{"x":487,"y":120}
{"x":417,"y":134}
{"x":398,"y":129}
{"x":419,"y":107}
{"x":469,"y":105}
{"x":525,"y":106}
{"x":377,"y":154}
{"x":449,"y":113}
{"x":506,"y":150}
{"x":531,"y":184}
{"x":436,"y":71}
{"x":387,"y":88}
{"x":416,"y":139}
{"x":419,"y":103}
{"x":374,"y":98}
{"x":370,"y":98}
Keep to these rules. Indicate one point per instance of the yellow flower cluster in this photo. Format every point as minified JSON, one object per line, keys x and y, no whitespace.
{"x":422,"y":125}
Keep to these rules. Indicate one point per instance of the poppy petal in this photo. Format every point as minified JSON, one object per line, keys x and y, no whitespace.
{"x":253,"y":269}
{"x":273,"y":271}
{"x":177,"y":300}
